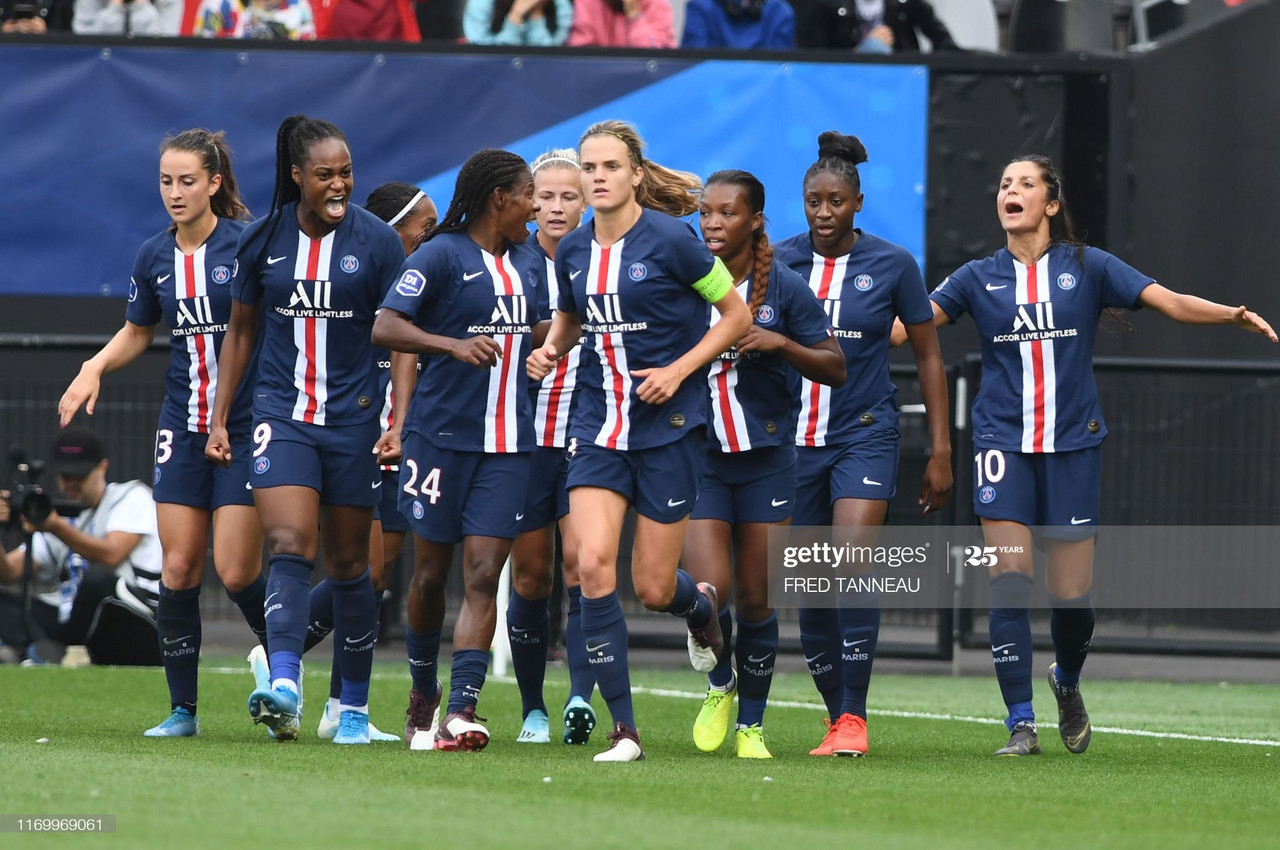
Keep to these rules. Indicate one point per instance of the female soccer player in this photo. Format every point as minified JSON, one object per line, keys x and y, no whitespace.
{"x":469,"y":300}
{"x":635,"y":281}
{"x":1038,"y":427}
{"x":557,"y":188}
{"x":750,"y":478}
{"x":847,"y":438}
{"x":182,"y":276}
{"x":411,"y":213}
{"x":320,"y":267}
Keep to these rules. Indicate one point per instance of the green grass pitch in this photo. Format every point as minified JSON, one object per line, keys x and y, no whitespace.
{"x":929,"y":781}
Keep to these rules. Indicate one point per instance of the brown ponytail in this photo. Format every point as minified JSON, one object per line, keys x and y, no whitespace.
{"x":662,"y":189}
{"x":215,"y":157}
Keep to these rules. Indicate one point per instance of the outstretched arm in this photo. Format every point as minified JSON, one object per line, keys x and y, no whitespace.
{"x":125,"y":347}
{"x":1192,"y":310}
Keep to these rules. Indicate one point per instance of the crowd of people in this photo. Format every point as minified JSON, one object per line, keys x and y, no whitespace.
{"x":864,"y":26}
{"x":344,"y":375}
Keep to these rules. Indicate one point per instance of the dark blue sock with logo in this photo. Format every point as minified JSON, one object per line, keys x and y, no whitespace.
{"x":249,"y":601}
{"x":319,"y":614}
{"x":467,"y":678}
{"x":1071,"y":625}
{"x":286,"y":613}
{"x":528,"y":631}
{"x":1010,"y":627}
{"x":820,"y":641}
{"x":604,"y":631}
{"x":722,"y":674}
{"x":355,"y":630}
{"x":423,"y":649}
{"x":582,"y":679}
{"x":756,"y":650}
{"x":689,"y":603}
{"x":178,"y":624}
{"x":859,"y":633}
{"x":335,"y":671}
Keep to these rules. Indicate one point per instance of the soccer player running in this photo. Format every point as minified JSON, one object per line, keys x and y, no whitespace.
{"x":750,"y":480}
{"x":635,"y":280}
{"x":466,"y":297}
{"x":183,"y":276}
{"x":557,"y":188}
{"x":847,"y":437}
{"x":1038,"y":429}
{"x":319,"y":266}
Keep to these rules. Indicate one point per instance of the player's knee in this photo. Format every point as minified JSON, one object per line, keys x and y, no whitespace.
{"x":289,"y":541}
{"x":752,"y":606}
{"x":181,"y":570}
{"x":533,"y":584}
{"x":429,"y":576}
{"x":237,"y":577}
{"x":482,"y":577}
{"x":654,"y":594}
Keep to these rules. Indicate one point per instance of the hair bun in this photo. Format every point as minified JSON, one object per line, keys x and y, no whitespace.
{"x":839,"y":146}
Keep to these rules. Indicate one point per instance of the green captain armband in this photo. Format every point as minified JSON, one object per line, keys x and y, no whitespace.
{"x":715,"y":284}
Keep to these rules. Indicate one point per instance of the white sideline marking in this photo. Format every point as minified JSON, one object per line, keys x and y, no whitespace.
{"x":881,"y":712}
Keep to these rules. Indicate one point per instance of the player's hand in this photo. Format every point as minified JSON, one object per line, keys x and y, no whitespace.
{"x":83,"y":391}
{"x":659,"y":385}
{"x":936,"y":487}
{"x":758,"y":339}
{"x":388,"y":447}
{"x":479,"y":351}
{"x":218,"y":449}
{"x":4,"y":506}
{"x":1253,"y":323}
{"x":540,"y":363}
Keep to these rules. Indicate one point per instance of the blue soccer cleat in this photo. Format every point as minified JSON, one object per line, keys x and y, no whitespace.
{"x":278,"y":709}
{"x":180,"y":724}
{"x":353,"y":728}
{"x":579,"y":720}
{"x":536,"y":729}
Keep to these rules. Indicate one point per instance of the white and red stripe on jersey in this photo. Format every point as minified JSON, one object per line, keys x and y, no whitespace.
{"x":602,"y":279}
{"x":826,"y":281}
{"x":311,"y":335}
{"x":192,"y":282}
{"x":501,"y":424}
{"x":728,"y":417}
{"x":1039,"y":376}
{"x":555,"y":394}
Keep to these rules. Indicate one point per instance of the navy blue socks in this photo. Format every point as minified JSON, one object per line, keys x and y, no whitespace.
{"x":286,"y":612}
{"x":249,"y":601}
{"x":604,"y":632}
{"x":820,"y":641}
{"x":178,"y":624}
{"x":756,"y":649}
{"x":582,"y":679}
{"x":1071,"y":625}
{"x":1010,"y":627}
{"x":528,"y":630}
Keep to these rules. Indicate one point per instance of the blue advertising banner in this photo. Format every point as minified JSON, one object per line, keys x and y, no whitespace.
{"x":82,"y":125}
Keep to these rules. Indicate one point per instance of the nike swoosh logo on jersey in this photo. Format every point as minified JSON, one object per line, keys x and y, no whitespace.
{"x":172,"y":641}
{"x":870,"y":483}
{"x":671,"y":503}
{"x":751,"y":659}
{"x":991,"y":288}
{"x":778,"y":504}
{"x":267,"y":601}
{"x":470,"y":276}
{"x":1075,"y":521}
{"x":808,"y":660}
{"x":574,"y":275}
{"x":598,"y":646}
{"x":1000,"y":647}
{"x":248,"y":486}
{"x":375,"y":485}
{"x":163,"y":278}
{"x":519,"y":517}
{"x":848,"y":643}
{"x":271,"y":261}
{"x":357,"y":640}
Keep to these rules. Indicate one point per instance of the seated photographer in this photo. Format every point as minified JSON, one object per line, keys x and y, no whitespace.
{"x":95,"y":576}
{"x":35,"y":17}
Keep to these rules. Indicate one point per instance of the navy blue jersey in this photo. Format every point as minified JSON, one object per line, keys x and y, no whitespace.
{"x":1037,"y":325}
{"x":639,"y":310}
{"x":862,"y":293}
{"x":319,"y":295}
{"x":553,"y":398}
{"x":751,"y":401}
{"x":192,"y":294}
{"x":452,"y":287}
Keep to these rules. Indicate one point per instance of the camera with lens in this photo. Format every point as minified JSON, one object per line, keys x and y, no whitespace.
{"x":27,"y":498}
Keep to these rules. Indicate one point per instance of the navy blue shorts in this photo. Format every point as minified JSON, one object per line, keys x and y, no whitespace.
{"x":448,"y":495}
{"x":1059,"y":491}
{"x":184,"y":476}
{"x":661,"y":483}
{"x":337,"y":461}
{"x":388,"y":508}
{"x":865,"y":469}
{"x":753,"y":486}
{"x":547,"y":499}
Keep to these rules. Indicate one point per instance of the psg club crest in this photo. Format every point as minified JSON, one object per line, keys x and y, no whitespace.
{"x":637,"y":271}
{"x":987,"y":494}
{"x":221,"y":274}
{"x":1066,"y":281}
{"x":417,"y":509}
{"x":261,"y":465}
{"x":765,"y":316}
{"x":349,"y":263}
{"x":862,"y":282}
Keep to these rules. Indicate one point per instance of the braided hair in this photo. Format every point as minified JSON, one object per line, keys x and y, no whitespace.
{"x":485,"y":172}
{"x":840,"y":155}
{"x":215,"y":157}
{"x":294,"y":139}
{"x":663,"y":189}
{"x":761,"y":250}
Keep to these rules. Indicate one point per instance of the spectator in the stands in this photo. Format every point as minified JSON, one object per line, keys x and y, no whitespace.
{"x":269,"y":19}
{"x":623,"y":23}
{"x":743,"y":24}
{"x":531,"y":23}
{"x":35,"y":17}
{"x":870,"y":26}
{"x":366,"y":20}
{"x":127,"y":17}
